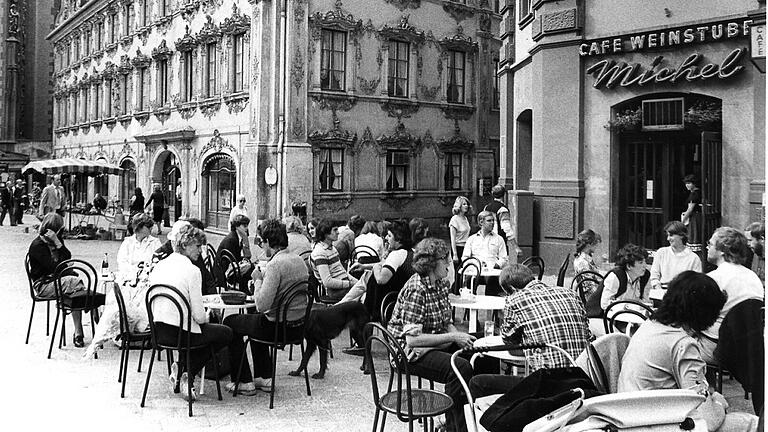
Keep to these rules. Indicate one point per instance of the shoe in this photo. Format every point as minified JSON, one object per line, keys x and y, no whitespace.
{"x":355,"y":350}
{"x":183,"y":383}
{"x":78,"y":341}
{"x":174,"y":377}
{"x":246,"y":389}
{"x":263,"y":384}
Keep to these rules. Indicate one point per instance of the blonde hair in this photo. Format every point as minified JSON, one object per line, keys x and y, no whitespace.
{"x":460,"y":200}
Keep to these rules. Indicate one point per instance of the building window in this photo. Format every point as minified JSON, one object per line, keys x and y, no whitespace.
{"x":69,"y":54}
{"x":188,"y":77}
{"x":331,"y":170}
{"x":101,"y":184}
{"x":84,"y":113}
{"x":99,"y":35}
{"x":127,"y":182}
{"x":399,"y":56}
{"x":77,"y":48}
{"x":112,"y":27}
{"x":87,"y":41}
{"x":143,"y":98}
{"x":525,"y":13}
{"x":210,"y":69}
{"x":496,"y":6}
{"x":238,"y":56}
{"x":97,"y":101}
{"x":108,"y":98}
{"x":125,"y":94}
{"x":162,"y":81}
{"x":219,"y":180}
{"x":144,"y":13}
{"x":333,"y":60}
{"x":453,"y":166}
{"x":75,"y":104}
{"x":162,"y":7}
{"x":130,"y":16}
{"x":496,"y":95}
{"x":456,"y":68}
{"x":397,"y":170}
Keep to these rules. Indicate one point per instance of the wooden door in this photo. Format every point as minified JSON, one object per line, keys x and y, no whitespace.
{"x":711,"y":183}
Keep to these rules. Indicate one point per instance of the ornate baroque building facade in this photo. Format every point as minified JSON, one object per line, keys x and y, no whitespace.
{"x":385,"y":108}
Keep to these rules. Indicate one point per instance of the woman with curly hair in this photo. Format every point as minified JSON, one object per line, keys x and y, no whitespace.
{"x":421,"y":322}
{"x":586,"y":243}
{"x":626,"y":281}
{"x":664,"y":352}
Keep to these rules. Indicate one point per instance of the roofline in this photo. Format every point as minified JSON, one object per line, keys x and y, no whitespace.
{"x":90,"y":5}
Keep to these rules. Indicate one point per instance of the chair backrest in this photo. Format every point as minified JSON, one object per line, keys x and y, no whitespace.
{"x":582,"y":279}
{"x":121,"y":310}
{"x":399,"y":372}
{"x":294,"y":293}
{"x":535,"y":263}
{"x":563,"y":269}
{"x":364,"y":254}
{"x":180,"y":302}
{"x":624,"y":308}
{"x":227,"y":259}
{"x":86,"y":273}
{"x":32,"y":292}
{"x":604,"y":356}
{"x":388,"y":306}
{"x":471,"y":267}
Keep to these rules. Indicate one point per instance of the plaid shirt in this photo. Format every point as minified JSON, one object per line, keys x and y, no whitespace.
{"x":544,"y":314}
{"x":421,"y":308}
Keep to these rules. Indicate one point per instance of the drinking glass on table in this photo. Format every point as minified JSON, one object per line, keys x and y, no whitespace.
{"x":490,"y":327}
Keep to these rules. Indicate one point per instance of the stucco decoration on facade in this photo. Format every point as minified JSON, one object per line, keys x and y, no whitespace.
{"x":402,"y":31}
{"x":457,"y":143}
{"x":299,"y":9}
{"x":368,"y":87}
{"x":298,"y":125}
{"x":297,"y":70}
{"x":186,"y":42}
{"x":209,"y":33}
{"x":336,"y":18}
{"x":237,"y":23}
{"x":458,"y":11}
{"x":334,"y":102}
{"x":161,"y":52}
{"x":399,"y":140}
{"x":405,"y":4}
{"x":399,"y":108}
{"x":335,"y":137}
{"x":217,"y":144}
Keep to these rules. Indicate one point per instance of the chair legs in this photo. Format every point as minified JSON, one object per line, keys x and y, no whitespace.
{"x":141,"y":354}
{"x":306,"y":375}
{"x":29,"y":328}
{"x":53,"y":336}
{"x":274,"y":370}
{"x":149,"y":375}
{"x":124,"y":365}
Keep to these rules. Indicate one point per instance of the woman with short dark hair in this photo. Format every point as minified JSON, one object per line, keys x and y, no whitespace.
{"x":587,"y":242}
{"x":664,"y":353}
{"x":626,"y":281}
{"x":326,"y":264}
{"x":674,"y":259}
{"x":236,"y":243}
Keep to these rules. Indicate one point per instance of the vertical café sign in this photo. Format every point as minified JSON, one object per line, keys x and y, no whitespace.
{"x":609,"y":73}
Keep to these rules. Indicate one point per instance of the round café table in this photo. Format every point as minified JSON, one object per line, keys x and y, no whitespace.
{"x":505,"y":356}
{"x":474,"y":303}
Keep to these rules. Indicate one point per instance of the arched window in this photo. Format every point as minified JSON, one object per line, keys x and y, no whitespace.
{"x":127,"y":182}
{"x":219,"y":180}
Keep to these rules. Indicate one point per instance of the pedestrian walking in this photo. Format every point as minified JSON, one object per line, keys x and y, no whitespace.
{"x":158,"y":205}
{"x":53,"y":197}
{"x":5,"y":203}
{"x":19,"y":194}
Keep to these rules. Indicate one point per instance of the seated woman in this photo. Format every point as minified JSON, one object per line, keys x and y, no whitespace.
{"x":236,"y":242}
{"x":298,"y":243}
{"x":135,"y":249}
{"x":282,"y":271}
{"x":664,"y":353}
{"x":587,"y":242}
{"x":178,"y":271}
{"x":326,"y":264}
{"x":674,"y":259}
{"x":369,"y":236}
{"x":626,"y":281}
{"x":210,"y":284}
{"x":421,"y":322}
{"x":45,"y":253}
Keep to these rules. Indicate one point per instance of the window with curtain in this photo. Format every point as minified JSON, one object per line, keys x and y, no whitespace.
{"x":97,"y":94}
{"x":238,"y":58}
{"x":143,"y":98}
{"x":186,"y":92}
{"x":453,"y":167}
{"x":496,"y":94}
{"x":125,"y":94}
{"x":456,"y":68}
{"x":331,"y":170}
{"x":108,"y":98}
{"x":220,"y":179}
{"x":162,"y":82}
{"x":399,"y":57}
{"x":333,"y":60}
{"x":210,"y":69}
{"x":112,"y":27}
{"x":397,"y":170}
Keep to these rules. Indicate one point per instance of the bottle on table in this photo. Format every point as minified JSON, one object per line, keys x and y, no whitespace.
{"x":105,"y":266}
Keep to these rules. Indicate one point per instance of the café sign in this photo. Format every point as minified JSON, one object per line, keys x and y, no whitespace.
{"x":667,"y":38}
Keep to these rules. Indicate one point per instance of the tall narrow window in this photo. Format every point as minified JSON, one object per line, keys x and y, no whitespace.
{"x":524,"y":10}
{"x":144,"y":13}
{"x":238,"y":56}
{"x":162,"y":7}
{"x":108,"y":98}
{"x":210,"y":69}
{"x":87,"y":42}
{"x":77,"y":48}
{"x":162,"y":81}
{"x":186,"y":93}
{"x":333,"y":60}
{"x":85,"y":114}
{"x":331,"y":170}
{"x":130,"y":17}
{"x":99,"y":35}
{"x":112,"y":27}
{"x":397,"y":170}
{"x":453,"y":162}
{"x":75,"y":113}
{"x":69,"y":54}
{"x":143,"y":98}
{"x":456,"y":67}
{"x":125,"y":94}
{"x":97,"y":95}
{"x":496,"y":94}
{"x":399,"y":57}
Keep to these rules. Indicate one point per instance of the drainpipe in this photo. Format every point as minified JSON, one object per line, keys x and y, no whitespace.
{"x":282,"y":112}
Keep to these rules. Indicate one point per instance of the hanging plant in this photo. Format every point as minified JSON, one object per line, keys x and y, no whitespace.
{"x":704,"y":114}
{"x":629,"y":119}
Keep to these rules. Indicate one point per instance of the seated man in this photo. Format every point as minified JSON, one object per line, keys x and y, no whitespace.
{"x":489,"y":248}
{"x":99,"y":203}
{"x":236,"y":242}
{"x":536,"y":313}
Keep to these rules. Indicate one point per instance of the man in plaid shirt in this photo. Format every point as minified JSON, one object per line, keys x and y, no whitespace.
{"x":536,"y":313}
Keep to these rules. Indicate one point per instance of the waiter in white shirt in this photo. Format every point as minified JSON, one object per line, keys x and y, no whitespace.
{"x":489,"y":248}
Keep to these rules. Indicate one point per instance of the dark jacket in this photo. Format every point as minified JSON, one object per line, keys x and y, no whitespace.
{"x":593,"y":302}
{"x":41,"y":261}
{"x":156,"y":199}
{"x":231,"y":243}
{"x":5,"y":197}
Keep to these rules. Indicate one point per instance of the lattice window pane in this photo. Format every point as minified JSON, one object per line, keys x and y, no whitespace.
{"x":663,"y":114}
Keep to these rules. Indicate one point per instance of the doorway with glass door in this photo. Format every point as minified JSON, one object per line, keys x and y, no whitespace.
{"x":674,"y":137}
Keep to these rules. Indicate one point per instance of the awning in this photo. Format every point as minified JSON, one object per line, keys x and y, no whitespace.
{"x":71,"y":166}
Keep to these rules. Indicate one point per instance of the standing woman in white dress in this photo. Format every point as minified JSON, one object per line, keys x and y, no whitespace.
{"x":239,"y":209}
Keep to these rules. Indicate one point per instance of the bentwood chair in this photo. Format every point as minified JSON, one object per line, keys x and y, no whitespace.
{"x":225,"y":261}
{"x":625,"y":312}
{"x":469,"y":277}
{"x":407,"y":403}
{"x":585,"y":281}
{"x":84,"y":301}
{"x":127,"y":337}
{"x":535,"y":263}
{"x":212,"y":265}
{"x":36,"y":299}
{"x":295,"y":294}
{"x":562,"y":270}
{"x":183,"y":341}
{"x":388,"y":307}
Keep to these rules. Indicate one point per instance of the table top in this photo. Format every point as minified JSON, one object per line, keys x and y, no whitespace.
{"x":213,"y":301}
{"x":485,"y":272}
{"x":657,"y":293}
{"x":502,"y":355}
{"x":477,"y":301}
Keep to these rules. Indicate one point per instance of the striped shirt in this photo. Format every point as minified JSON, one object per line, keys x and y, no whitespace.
{"x":544,"y":314}
{"x":336,"y":278}
{"x":421,"y":308}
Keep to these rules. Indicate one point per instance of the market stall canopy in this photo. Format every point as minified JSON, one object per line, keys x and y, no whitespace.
{"x":71,"y":166}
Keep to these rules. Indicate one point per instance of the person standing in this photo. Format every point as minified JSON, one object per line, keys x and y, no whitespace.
{"x":137,"y":203}
{"x":503,"y":222}
{"x":157,"y":199}
{"x":459,"y":228}
{"x":755,"y":234}
{"x":19,"y":193}
{"x":177,"y":204}
{"x":692,"y":211}
{"x":238,"y":209}
{"x":53,"y":197}
{"x":5,"y":203}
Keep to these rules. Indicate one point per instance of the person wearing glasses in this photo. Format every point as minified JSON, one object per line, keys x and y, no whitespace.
{"x":489,"y":248}
{"x":239,"y":209}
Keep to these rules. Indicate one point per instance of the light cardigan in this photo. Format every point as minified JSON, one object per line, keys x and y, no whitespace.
{"x":131,"y":253}
{"x":178,"y":271}
{"x":667,"y":264}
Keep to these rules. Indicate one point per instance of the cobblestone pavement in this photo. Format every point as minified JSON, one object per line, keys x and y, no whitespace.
{"x":69,"y":393}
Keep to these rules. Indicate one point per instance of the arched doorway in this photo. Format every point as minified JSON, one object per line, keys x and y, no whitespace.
{"x":171,"y":186}
{"x":661,"y":139}
{"x":219,"y":188}
{"x":127,"y":183}
{"x":524,"y":150}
